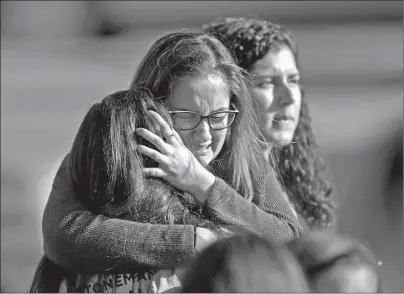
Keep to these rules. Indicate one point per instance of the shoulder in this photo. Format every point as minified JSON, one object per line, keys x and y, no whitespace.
{"x":304,"y":224}
{"x":266,"y":176}
{"x":62,"y":175}
{"x":262,"y":169}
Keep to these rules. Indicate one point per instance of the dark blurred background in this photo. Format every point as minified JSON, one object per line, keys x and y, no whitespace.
{"x":58,"y":57}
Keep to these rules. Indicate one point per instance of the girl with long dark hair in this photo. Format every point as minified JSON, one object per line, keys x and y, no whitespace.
{"x":106,"y":171}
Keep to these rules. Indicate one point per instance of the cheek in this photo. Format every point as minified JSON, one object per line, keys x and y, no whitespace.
{"x":219,"y":137}
{"x":263,"y":98}
{"x":298,"y":97}
{"x":185,"y":136}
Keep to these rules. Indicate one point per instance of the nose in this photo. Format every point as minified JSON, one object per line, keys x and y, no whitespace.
{"x":283,"y":93}
{"x":202,"y":131}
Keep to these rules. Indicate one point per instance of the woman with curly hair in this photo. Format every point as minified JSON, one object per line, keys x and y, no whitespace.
{"x":268,"y":54}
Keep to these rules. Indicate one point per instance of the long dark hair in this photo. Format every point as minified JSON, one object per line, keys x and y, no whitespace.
{"x":106,"y":172}
{"x":107,"y":169}
{"x":243,"y":263}
{"x":299,"y":165}
{"x":194,"y":53}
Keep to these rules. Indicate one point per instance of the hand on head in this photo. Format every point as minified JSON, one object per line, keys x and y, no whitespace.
{"x":193,"y":73}
{"x":177,"y":165}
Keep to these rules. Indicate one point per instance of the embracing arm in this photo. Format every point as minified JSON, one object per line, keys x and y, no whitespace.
{"x":179,"y":167}
{"x":273,"y":218}
{"x":80,"y":241}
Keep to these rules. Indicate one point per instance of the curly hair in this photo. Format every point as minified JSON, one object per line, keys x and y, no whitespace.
{"x":300,"y":165}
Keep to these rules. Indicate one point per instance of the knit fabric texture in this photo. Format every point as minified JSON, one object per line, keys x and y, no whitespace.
{"x":86,"y":243}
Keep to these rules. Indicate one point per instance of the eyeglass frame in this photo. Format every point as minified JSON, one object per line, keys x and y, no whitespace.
{"x":206,"y":117}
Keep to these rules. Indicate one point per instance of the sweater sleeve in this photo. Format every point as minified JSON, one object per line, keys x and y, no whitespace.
{"x":83,"y":242}
{"x":272,"y":218}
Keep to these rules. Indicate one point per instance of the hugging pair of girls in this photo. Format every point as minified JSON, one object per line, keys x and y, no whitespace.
{"x":158,"y":172}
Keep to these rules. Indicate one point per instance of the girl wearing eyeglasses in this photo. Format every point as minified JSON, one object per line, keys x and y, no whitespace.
{"x":210,"y":153}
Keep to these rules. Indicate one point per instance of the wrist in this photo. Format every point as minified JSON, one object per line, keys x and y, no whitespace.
{"x":204,"y":182}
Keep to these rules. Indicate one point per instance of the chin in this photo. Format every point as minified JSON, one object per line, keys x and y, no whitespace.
{"x":277,"y":137}
{"x":206,"y":159}
{"x":280,"y":141}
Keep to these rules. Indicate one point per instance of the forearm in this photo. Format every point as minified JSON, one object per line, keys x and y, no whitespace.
{"x":276,"y":222}
{"x":203,"y":184}
{"x":83,"y":242}
{"x":86,"y":243}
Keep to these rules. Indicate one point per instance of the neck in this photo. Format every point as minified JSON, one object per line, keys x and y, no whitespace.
{"x":266,"y":150}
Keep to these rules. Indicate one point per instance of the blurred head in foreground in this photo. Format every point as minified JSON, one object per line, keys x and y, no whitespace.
{"x":245,"y":263}
{"x":335,"y":263}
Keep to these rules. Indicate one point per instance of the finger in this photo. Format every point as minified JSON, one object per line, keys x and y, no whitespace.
{"x":166,"y":130}
{"x":154,"y":172}
{"x":162,"y":146}
{"x":155,"y":125}
{"x":177,"y":136}
{"x":153,"y":154}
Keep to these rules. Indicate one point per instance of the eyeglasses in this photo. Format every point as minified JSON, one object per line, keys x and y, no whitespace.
{"x":189,"y":120}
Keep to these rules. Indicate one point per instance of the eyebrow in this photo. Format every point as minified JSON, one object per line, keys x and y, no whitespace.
{"x":266,"y":76}
{"x":184,"y":109}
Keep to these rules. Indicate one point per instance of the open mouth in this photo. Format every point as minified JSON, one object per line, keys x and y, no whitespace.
{"x":283,"y":122}
{"x":201,"y":150}
{"x":283,"y":118}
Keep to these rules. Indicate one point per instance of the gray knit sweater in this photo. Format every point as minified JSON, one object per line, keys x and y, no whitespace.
{"x":82,"y":242}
